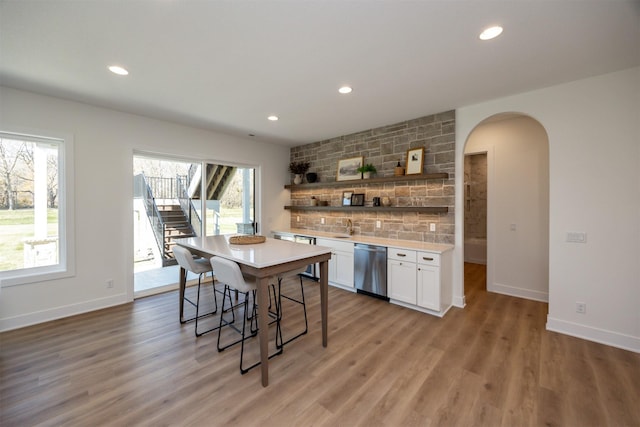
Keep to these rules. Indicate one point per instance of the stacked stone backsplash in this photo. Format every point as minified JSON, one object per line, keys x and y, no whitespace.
{"x":384,"y":147}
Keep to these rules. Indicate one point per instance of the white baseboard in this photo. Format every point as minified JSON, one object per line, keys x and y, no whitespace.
{"x":459,"y":302}
{"x":518,"y":292}
{"x":60,"y":312}
{"x":602,"y":336}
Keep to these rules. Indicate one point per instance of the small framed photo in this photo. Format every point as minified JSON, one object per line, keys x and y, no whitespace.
{"x":415,"y":161}
{"x":357,"y":200}
{"x":346,"y":198}
{"x":348,"y":169}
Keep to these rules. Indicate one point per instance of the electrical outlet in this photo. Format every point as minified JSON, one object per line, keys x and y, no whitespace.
{"x":581,"y":307}
{"x":432,"y":226}
{"x":378,"y":224}
{"x":109,"y":283}
{"x":322,"y":220}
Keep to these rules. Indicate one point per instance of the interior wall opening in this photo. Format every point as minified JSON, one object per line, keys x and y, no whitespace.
{"x":506,"y":207}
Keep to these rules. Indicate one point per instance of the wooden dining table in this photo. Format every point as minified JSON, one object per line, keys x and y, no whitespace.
{"x":263,"y":261}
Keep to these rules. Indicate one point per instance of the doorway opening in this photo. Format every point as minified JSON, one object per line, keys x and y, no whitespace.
{"x":178,"y":198}
{"x":506,"y":207}
{"x":475,"y":222}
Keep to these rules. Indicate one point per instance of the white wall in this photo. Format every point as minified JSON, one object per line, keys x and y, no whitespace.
{"x":518,"y":205}
{"x":593,"y":127}
{"x":104,"y":144}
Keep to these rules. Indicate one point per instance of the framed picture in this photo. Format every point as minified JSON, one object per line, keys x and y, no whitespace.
{"x":357,"y":200}
{"x":346,"y":198}
{"x":348,"y":169}
{"x":415,"y":161}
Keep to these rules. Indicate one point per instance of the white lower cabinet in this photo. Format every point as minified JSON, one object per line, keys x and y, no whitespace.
{"x":401,"y":275}
{"x":415,"y":280}
{"x":340,"y":264}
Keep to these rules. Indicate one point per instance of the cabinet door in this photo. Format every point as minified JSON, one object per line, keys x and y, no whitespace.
{"x":333,"y":265}
{"x":344,"y":268}
{"x":402,"y":281}
{"x":429,"y":287}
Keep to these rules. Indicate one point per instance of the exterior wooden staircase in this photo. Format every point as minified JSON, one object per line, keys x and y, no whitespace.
{"x":176,"y":226}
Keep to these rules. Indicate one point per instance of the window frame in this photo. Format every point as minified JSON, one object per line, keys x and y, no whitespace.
{"x":66,"y":202}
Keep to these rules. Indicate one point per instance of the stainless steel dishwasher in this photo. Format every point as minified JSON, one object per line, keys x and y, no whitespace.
{"x":370,"y":270}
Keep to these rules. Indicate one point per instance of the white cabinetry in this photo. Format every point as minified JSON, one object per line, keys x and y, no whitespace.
{"x":428,"y":291}
{"x":340,"y":264}
{"x":401,"y":275}
{"x":416,"y":280}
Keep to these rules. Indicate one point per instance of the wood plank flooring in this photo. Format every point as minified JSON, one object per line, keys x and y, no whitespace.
{"x":490,"y":364}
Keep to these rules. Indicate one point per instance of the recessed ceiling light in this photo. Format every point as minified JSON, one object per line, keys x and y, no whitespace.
{"x":345,"y":89}
{"x":273,"y":118}
{"x":118,"y":70}
{"x":491,"y":33}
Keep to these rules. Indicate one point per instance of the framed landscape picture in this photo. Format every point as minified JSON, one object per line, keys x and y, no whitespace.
{"x":348,"y":169}
{"x":415,"y":161}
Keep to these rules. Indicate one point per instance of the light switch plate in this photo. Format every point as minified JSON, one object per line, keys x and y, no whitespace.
{"x":378,"y":224}
{"x":322,"y":220}
{"x":432,"y":226}
{"x":576,"y":237}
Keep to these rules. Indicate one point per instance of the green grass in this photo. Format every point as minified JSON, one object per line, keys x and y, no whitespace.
{"x":15,"y":226}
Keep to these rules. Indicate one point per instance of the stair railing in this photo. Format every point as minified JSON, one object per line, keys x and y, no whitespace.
{"x":143,"y":190}
{"x":187,"y":206}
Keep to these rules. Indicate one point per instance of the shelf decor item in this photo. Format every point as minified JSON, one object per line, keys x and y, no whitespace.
{"x":357,"y":200}
{"x":346,"y":198}
{"x":312,"y":177}
{"x":367,"y":170}
{"x":398,"y":170}
{"x":348,"y":169}
{"x":415,"y":161}
{"x":298,"y":169}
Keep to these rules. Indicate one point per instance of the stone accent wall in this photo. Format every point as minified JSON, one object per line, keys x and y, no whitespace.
{"x":384,"y":147}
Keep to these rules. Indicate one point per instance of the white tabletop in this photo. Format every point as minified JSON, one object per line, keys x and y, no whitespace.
{"x":258,"y":255}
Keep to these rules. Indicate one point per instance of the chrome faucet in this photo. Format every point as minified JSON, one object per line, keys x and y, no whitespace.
{"x":349,"y":227}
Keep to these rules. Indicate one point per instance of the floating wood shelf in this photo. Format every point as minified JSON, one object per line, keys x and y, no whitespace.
{"x":395,"y":209}
{"x":360,"y":182}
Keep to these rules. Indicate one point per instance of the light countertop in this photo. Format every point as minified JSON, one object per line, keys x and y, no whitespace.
{"x":258,"y":255}
{"x":390,"y":243}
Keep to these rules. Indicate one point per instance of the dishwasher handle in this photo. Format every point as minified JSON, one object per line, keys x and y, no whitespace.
{"x":370,"y":248}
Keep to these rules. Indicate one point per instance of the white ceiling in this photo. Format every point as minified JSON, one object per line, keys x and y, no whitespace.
{"x":227,"y":65}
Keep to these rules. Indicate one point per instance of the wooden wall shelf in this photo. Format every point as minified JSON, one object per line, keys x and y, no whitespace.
{"x":421,"y":209}
{"x":360,"y":182}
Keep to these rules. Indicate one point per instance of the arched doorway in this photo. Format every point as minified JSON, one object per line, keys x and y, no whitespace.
{"x":516,"y":203}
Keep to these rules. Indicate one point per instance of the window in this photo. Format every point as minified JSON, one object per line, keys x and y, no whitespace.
{"x":35,"y":213}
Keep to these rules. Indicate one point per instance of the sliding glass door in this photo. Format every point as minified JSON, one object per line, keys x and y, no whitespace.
{"x":177,"y":198}
{"x":228,"y":199}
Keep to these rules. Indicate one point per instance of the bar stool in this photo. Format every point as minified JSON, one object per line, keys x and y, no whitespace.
{"x":200,"y":266}
{"x":301,"y":301}
{"x":228,"y":272}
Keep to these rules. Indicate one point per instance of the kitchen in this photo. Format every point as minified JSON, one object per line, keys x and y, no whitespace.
{"x":592,"y":127}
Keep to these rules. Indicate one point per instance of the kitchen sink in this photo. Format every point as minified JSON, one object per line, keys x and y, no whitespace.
{"x":341,"y":237}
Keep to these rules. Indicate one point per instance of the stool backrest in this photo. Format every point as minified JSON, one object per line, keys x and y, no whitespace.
{"x":185,"y":258}
{"x":228,"y":272}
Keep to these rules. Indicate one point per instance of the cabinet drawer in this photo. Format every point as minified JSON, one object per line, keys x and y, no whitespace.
{"x":428,"y":258}
{"x":401,"y":255}
{"x":336,"y":245}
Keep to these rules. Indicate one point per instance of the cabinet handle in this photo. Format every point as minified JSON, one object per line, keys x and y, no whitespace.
{"x":427,"y":258}
{"x":401,"y":254}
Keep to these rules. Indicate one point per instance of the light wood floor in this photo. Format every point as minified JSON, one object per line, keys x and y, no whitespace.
{"x":491,"y":364}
